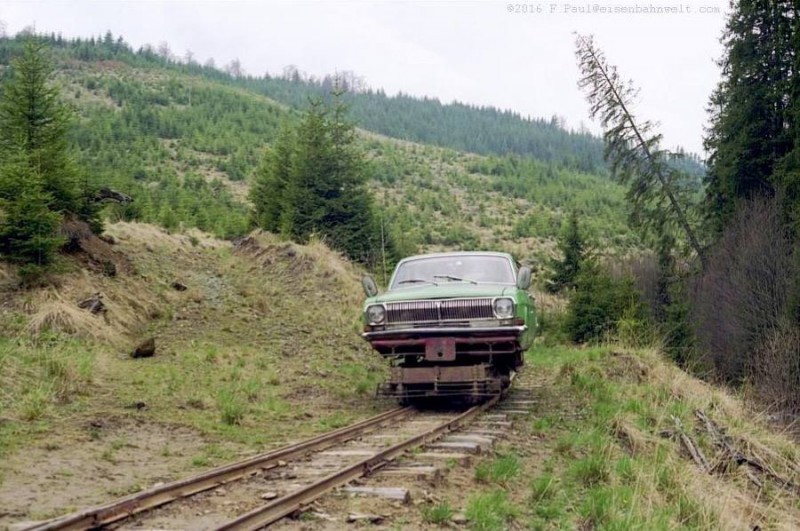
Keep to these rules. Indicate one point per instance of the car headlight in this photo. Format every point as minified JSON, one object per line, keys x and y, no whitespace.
{"x":376,"y":313}
{"x":504,"y":308}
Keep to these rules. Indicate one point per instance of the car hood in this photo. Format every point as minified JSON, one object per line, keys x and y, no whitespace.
{"x":449,"y":290}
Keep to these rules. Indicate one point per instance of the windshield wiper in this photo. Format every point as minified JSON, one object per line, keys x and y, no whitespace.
{"x":456,"y":279}
{"x":417,"y":280}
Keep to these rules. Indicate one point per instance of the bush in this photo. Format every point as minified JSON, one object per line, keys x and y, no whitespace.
{"x":598,"y":304}
{"x":776,"y":368}
{"x":745,"y":291}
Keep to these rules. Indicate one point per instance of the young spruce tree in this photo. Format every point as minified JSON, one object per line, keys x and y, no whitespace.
{"x":313,"y":181}
{"x":573,"y":248}
{"x":39,"y":182}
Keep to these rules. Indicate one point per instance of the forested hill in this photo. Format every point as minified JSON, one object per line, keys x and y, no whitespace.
{"x":484,"y":130}
{"x":184,"y":139}
{"x":476,"y":129}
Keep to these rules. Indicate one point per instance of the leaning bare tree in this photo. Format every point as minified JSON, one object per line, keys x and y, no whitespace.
{"x":655,"y":191}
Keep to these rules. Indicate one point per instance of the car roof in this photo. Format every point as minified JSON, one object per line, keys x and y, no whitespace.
{"x":459,"y":253}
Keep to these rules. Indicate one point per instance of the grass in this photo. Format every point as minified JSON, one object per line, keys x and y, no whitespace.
{"x":439,"y":514}
{"x":264,"y":346}
{"x":605,"y":456}
{"x":38,"y":379}
{"x":490,"y":510}
{"x":499,"y":470}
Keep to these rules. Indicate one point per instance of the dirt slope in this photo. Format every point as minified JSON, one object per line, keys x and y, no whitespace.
{"x":262,"y":342}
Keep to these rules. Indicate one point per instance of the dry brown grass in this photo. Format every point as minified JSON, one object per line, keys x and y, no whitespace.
{"x":736,"y":500}
{"x":313,"y":266}
{"x":150,"y":235}
{"x":64,"y":317}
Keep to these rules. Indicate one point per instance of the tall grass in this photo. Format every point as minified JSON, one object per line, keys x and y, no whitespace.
{"x":36,"y":377}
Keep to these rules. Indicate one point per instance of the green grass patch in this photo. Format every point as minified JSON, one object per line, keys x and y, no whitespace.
{"x":490,"y":511}
{"x":439,"y":514}
{"x":610,"y":466}
{"x":498,"y":470}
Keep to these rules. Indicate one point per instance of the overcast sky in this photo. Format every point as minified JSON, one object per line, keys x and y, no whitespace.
{"x":480,"y":52}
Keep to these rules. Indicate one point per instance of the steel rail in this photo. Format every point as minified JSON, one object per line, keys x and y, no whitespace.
{"x":163,"y":494}
{"x":271,"y":512}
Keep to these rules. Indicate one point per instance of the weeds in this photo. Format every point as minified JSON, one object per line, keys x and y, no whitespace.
{"x":231,"y":407}
{"x":499,"y":470}
{"x":438,"y":514}
{"x":491,"y":511}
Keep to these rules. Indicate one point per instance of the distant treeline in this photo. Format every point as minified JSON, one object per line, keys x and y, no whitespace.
{"x":464,"y":127}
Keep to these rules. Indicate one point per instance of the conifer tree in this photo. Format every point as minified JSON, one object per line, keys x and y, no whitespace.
{"x":657,"y":193}
{"x":573,"y":249}
{"x":314,"y":182}
{"x":33,"y":125}
{"x":39,"y":182}
{"x":751,"y":109}
{"x":28,"y":228}
{"x":268,"y":193}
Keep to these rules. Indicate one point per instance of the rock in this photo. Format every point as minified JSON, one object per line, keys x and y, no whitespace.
{"x":281,"y":463}
{"x":109,"y":239}
{"x":358,"y":517}
{"x":459,"y":518}
{"x":146,"y":349}
{"x":269,"y":495}
{"x":94,"y":304}
{"x":179,"y":286}
{"x":109,"y":268}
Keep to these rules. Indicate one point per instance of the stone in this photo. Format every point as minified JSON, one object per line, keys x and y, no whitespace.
{"x":179,"y":286}
{"x":358,"y":517}
{"x":459,"y":518}
{"x":269,"y":495}
{"x":145,"y":349}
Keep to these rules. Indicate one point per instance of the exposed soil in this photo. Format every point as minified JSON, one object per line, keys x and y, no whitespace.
{"x":105,"y":459}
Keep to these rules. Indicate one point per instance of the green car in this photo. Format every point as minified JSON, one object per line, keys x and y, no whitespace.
{"x":453,"y":324}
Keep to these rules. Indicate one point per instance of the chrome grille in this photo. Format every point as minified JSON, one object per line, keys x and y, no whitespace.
{"x":438,"y":311}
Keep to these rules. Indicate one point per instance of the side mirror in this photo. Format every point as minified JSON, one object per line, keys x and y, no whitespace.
{"x":524,"y":278}
{"x":368,"y":283}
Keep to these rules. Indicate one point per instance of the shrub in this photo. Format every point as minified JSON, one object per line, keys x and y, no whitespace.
{"x":744,"y":293}
{"x":598,"y":303}
{"x":776,"y":368}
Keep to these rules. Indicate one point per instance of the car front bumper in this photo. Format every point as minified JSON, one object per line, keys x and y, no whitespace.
{"x":445,"y":344}
{"x":461,"y":331}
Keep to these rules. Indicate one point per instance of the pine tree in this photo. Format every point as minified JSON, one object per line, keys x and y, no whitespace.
{"x":573,"y":250}
{"x":39,"y":182}
{"x":33,"y":123}
{"x":657,"y":191}
{"x":28,"y":228}
{"x":313,"y":181}
{"x":268,"y":193}
{"x":751,"y":109}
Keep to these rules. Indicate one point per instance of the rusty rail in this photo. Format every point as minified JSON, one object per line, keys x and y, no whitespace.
{"x":163,"y":494}
{"x":271,"y":512}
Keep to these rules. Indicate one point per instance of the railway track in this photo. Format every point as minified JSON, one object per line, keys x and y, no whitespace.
{"x":319,"y":465}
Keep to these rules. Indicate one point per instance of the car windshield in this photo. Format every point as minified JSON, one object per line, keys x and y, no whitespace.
{"x":473,"y":269}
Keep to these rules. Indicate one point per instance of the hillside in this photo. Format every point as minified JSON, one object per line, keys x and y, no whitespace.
{"x":237,"y":350}
{"x":184,"y":140}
